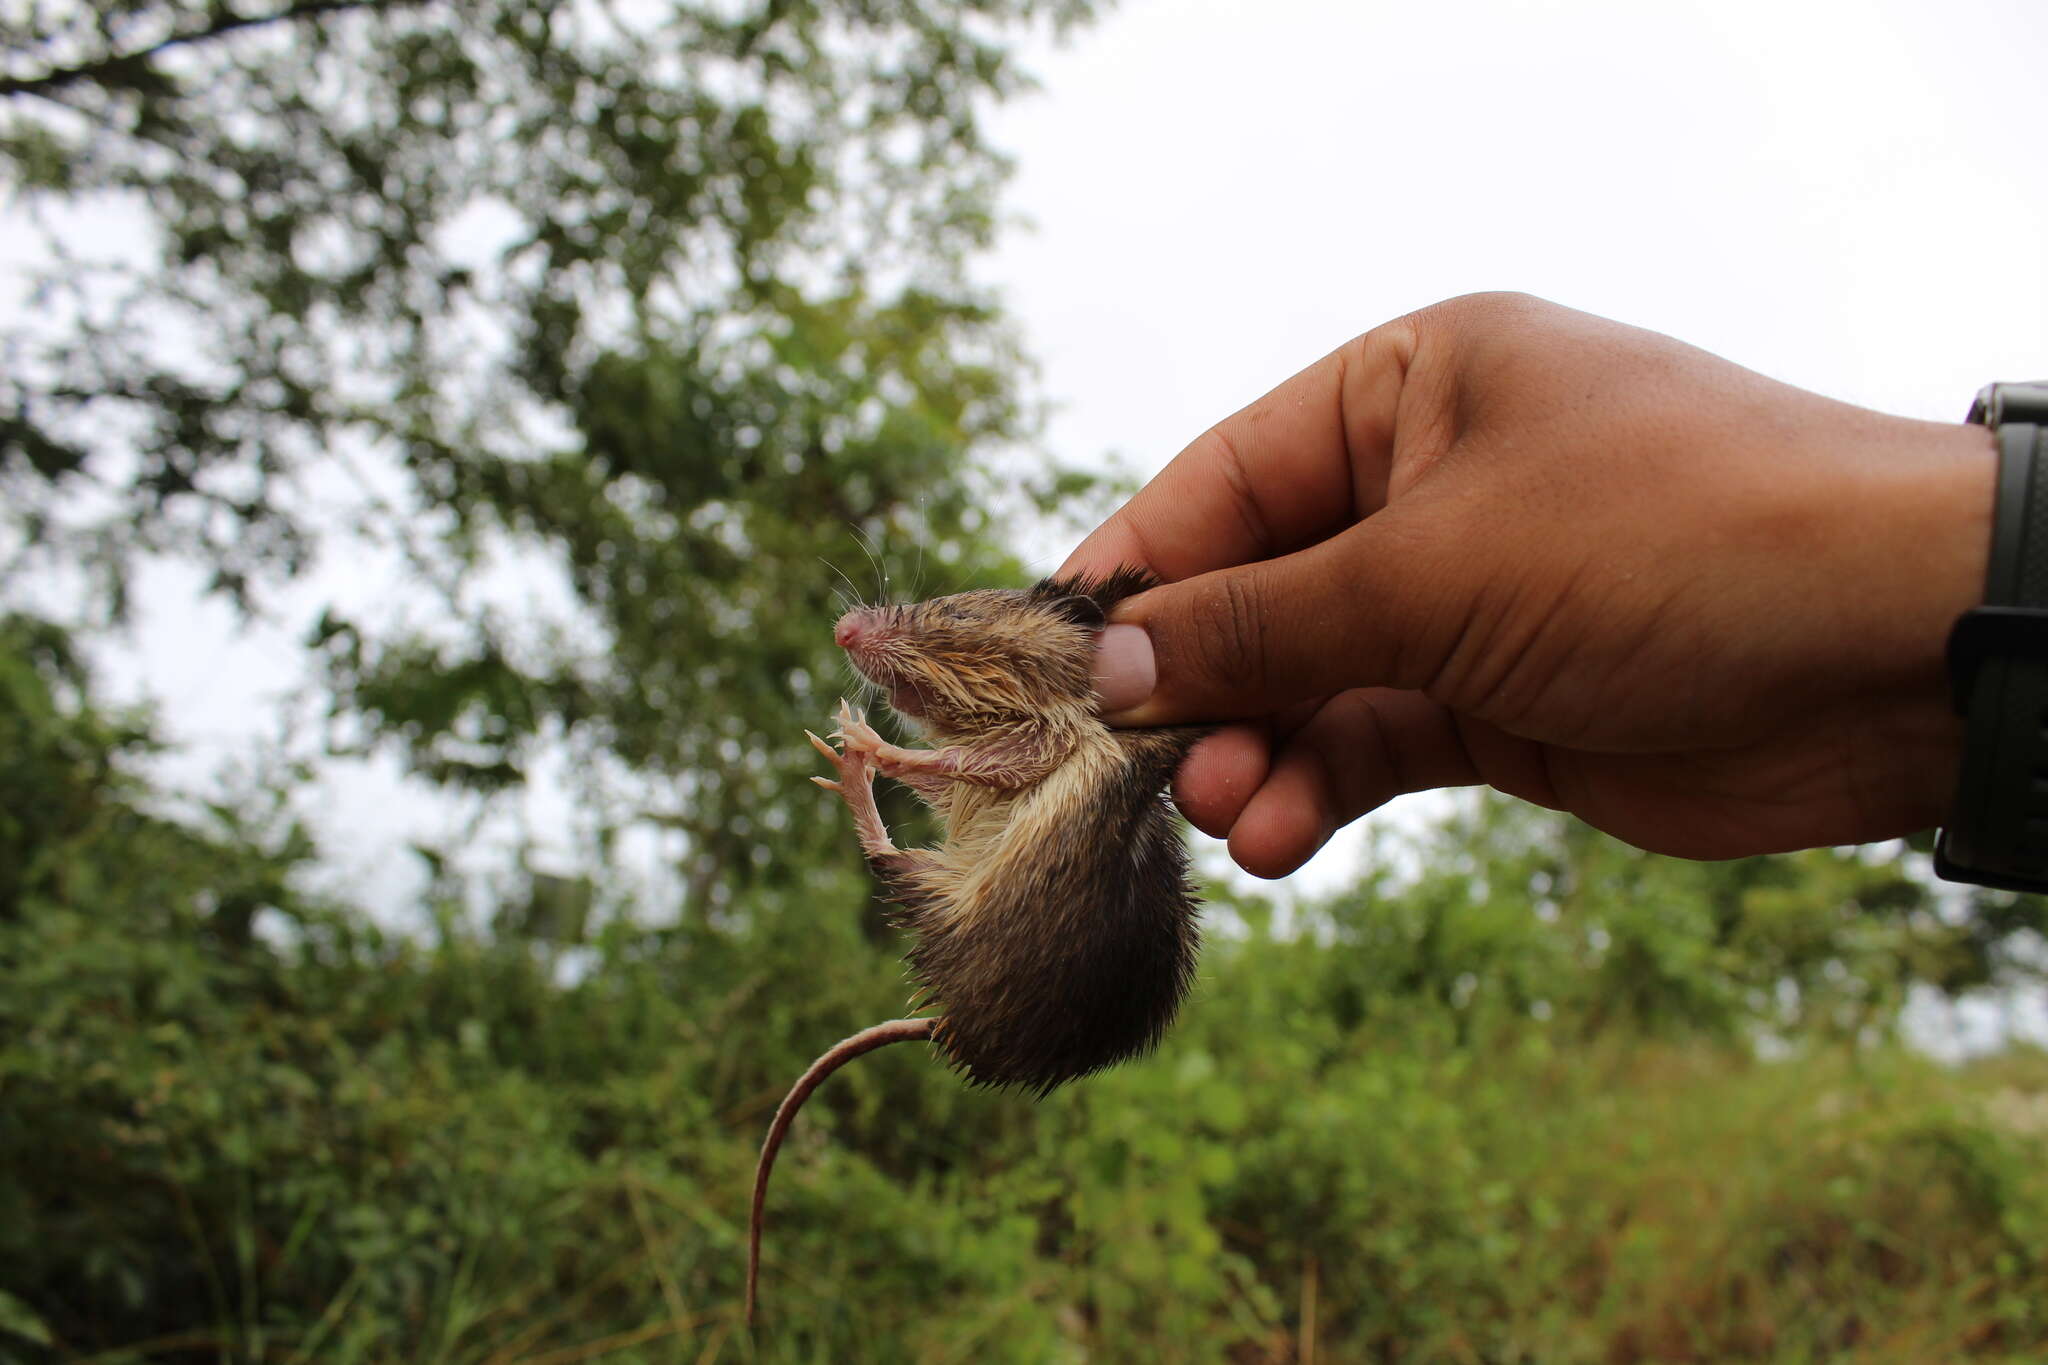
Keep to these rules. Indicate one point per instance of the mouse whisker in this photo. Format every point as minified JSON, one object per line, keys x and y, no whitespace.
{"x":852,"y":599}
{"x":872,"y":548}
{"x":924,"y":535}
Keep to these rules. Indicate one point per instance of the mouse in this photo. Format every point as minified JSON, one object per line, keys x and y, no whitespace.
{"x":1054,"y":927}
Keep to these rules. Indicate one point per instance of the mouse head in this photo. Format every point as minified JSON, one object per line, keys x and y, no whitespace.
{"x":990,"y":656}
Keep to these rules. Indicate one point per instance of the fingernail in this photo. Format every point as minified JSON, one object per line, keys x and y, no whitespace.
{"x":1124,"y":671}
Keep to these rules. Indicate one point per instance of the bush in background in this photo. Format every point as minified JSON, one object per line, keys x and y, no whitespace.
{"x":1429,"y":1122}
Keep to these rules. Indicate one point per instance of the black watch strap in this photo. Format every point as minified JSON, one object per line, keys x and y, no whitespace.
{"x":1997,"y":834}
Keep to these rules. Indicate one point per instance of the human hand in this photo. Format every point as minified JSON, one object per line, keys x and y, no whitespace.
{"x":1500,"y":541}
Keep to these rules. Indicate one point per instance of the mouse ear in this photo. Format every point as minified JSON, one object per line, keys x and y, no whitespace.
{"x":1082,"y":611}
{"x":1105,"y":592}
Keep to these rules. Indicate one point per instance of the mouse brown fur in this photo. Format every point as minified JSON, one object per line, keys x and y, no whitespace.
{"x":1054,"y":924}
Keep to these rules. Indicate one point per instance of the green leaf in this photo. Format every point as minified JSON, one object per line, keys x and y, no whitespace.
{"x":21,"y":1320}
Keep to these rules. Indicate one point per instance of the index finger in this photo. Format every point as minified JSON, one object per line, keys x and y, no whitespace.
{"x":1284,"y":472}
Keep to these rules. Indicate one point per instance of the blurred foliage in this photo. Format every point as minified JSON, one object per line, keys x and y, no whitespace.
{"x":610,"y":326}
{"x":656,"y":306}
{"x":1435,"y":1120}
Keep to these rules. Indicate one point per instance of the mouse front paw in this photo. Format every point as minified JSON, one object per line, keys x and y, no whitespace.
{"x":854,"y":760}
{"x":855,"y":735}
{"x":855,"y":766}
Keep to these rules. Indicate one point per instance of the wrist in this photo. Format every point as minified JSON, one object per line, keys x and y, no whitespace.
{"x":1945,"y":523}
{"x":1940,"y":537}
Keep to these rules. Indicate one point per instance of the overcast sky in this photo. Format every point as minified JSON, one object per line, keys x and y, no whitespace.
{"x":1847,"y":196}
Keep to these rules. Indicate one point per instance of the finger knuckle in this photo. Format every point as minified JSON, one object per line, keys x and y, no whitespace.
{"x":1233,"y":650}
{"x":1230,"y":463}
{"x":1386,"y":349}
{"x":1495,"y":303}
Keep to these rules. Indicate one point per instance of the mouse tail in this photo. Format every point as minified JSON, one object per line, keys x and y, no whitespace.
{"x":867,"y":1040}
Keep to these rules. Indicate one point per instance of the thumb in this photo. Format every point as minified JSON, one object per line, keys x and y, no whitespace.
{"x":1253,"y":639}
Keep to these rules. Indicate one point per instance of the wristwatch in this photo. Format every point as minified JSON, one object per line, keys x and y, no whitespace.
{"x":1997,"y":834}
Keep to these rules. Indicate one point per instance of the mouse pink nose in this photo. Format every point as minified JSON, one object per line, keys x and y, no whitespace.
{"x":847,"y":633}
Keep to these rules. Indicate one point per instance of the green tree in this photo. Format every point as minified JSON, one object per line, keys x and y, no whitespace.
{"x":646,"y":312}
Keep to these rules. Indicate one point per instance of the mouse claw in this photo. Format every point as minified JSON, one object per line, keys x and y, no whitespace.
{"x":858,"y":736}
{"x":851,"y":763}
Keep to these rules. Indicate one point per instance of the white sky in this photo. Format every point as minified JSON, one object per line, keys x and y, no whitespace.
{"x":1849,"y":196}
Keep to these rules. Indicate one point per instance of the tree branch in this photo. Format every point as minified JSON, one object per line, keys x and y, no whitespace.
{"x":123,"y":62}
